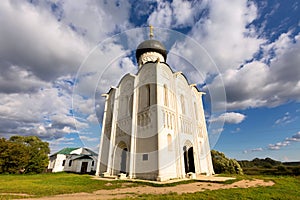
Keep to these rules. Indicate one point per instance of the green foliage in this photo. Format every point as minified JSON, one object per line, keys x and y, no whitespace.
{"x":225,"y":165}
{"x":257,"y":162}
{"x":23,"y":154}
{"x":269,"y":166}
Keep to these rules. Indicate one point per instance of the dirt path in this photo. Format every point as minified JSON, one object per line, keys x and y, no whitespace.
{"x":134,"y":191}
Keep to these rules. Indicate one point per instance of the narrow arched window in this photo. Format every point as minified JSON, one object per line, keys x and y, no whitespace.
{"x":169,"y":138}
{"x":166,"y":96}
{"x":148,"y":96}
{"x":144,"y":97}
{"x":182,"y":104}
{"x":130,"y":105}
{"x":196,"y":110}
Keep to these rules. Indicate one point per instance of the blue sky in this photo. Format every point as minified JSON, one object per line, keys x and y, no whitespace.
{"x":57,"y":57}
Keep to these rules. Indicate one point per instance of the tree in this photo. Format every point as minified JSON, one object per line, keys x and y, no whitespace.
{"x":225,"y":165}
{"x":26,"y":154}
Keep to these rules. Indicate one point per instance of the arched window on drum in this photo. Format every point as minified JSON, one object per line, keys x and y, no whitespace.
{"x":182,"y":104}
{"x":196,"y":110}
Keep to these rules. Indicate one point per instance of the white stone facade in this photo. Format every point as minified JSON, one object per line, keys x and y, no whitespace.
{"x":154,"y":126}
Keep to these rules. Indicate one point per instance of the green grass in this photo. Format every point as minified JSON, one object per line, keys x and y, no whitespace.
{"x":286,"y":187}
{"x":51,"y":184}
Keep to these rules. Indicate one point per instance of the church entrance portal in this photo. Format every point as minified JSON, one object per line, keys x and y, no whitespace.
{"x":120,"y":160}
{"x":123,"y":161}
{"x":188,"y":155}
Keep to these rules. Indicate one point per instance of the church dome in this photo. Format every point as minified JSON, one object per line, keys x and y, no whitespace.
{"x":151,"y":46}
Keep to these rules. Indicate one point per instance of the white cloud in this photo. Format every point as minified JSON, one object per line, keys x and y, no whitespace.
{"x":14,"y":79}
{"x":277,"y":146}
{"x":45,"y":113}
{"x":286,"y":142}
{"x":41,"y":50}
{"x":162,"y":16}
{"x":96,"y":19}
{"x":257,"y":149}
{"x":229,"y":117}
{"x":294,"y":138}
{"x":33,"y":39}
{"x":183,"y":13}
{"x":225,"y":33}
{"x":177,"y":13}
{"x":286,"y":119}
{"x":253,"y":150}
{"x":217,"y":131}
{"x":257,"y":84}
{"x":236,"y":130}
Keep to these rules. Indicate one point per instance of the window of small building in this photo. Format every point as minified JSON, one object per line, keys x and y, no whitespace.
{"x":93,"y":162}
{"x":145,"y":157}
{"x":64,"y":162}
{"x":70,"y":163}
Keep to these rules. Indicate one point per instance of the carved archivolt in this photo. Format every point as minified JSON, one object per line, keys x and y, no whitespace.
{"x":150,"y":57}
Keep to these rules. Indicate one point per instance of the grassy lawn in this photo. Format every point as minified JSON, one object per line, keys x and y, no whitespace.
{"x":51,"y":184}
{"x":286,"y":187}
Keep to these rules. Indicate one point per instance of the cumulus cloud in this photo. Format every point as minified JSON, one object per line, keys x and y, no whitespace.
{"x":259,"y":84}
{"x":42,"y":45}
{"x":177,"y":13}
{"x":286,"y":119}
{"x":35,"y":40}
{"x":229,"y":117}
{"x":277,"y":146}
{"x":14,"y":79}
{"x":162,"y":16}
{"x":253,"y":150}
{"x":225,"y":33}
{"x":45,"y":113}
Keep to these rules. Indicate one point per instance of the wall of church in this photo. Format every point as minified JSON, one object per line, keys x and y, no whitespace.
{"x":107,"y":127}
{"x":146,"y":166}
{"x":167,"y":124}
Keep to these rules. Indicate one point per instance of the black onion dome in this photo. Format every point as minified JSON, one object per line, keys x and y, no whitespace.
{"x":151,"y":45}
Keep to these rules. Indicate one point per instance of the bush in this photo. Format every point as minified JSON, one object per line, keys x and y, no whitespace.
{"x":225,"y":165}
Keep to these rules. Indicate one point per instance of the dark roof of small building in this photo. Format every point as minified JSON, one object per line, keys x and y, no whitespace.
{"x":151,"y":45}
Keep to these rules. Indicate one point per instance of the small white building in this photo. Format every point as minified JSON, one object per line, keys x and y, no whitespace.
{"x":154,"y":125}
{"x":78,"y":160}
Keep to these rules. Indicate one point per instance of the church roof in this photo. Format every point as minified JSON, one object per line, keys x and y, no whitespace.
{"x":151,"y":45}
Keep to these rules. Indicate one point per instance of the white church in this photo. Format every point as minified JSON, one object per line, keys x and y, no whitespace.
{"x":153,"y":124}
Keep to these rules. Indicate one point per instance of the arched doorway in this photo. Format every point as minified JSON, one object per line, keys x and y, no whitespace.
{"x":123,"y":161}
{"x":188,"y":155}
{"x":120,"y":159}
